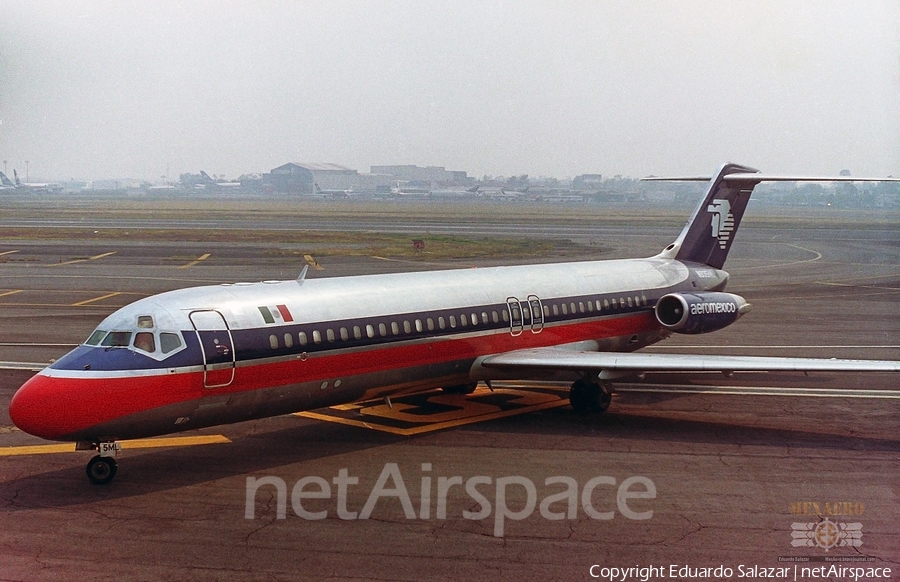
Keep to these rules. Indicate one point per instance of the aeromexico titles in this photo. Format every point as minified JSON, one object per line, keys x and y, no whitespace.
{"x":211,"y":355}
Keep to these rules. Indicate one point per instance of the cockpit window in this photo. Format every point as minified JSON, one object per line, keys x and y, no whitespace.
{"x":145,"y":322}
{"x":117,"y":339}
{"x":169,"y":342}
{"x":95,"y":337}
{"x":145,"y":342}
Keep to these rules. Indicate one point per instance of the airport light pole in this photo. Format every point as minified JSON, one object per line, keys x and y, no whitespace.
{"x":27,"y":179}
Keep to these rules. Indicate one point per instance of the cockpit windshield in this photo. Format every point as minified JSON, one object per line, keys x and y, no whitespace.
{"x":156,"y":344}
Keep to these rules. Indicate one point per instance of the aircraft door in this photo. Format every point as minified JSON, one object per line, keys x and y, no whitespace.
{"x":217,"y":347}
{"x":537,"y":313}
{"x":516,"y":322}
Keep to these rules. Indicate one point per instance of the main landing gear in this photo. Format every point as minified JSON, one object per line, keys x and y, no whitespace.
{"x":589,"y":396}
{"x":103,"y":467}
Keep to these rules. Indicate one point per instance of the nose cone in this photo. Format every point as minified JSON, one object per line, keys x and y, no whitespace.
{"x":34,"y":410}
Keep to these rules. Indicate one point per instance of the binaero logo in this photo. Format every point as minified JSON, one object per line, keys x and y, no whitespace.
{"x":722,"y":221}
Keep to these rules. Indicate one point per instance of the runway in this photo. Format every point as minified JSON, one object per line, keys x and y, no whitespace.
{"x":714,"y":470}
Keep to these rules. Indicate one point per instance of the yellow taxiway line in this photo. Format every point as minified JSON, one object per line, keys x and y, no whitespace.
{"x":11,"y":292}
{"x":7,"y":253}
{"x":94,"y":258}
{"x":202,"y":257}
{"x":132,"y":444}
{"x":101,"y":298}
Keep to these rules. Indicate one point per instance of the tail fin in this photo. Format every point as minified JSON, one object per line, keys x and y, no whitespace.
{"x":16,"y":174}
{"x":708,"y":235}
{"x":5,"y":181}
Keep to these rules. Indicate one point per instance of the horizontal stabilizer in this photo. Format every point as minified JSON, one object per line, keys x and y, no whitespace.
{"x":748,"y":177}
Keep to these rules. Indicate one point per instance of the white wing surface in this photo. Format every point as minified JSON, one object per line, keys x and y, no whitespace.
{"x":583,"y":361}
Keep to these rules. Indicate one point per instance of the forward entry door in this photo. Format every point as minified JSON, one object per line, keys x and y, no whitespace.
{"x":217,"y":346}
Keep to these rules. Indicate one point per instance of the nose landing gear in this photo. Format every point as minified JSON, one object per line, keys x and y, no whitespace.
{"x":102,"y":468}
{"x":588,"y":396}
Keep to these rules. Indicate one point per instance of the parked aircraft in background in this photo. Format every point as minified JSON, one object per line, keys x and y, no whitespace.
{"x":211,"y":355}
{"x":208,"y":182}
{"x":6,"y":183}
{"x":334,"y":193}
{"x":32,"y":186}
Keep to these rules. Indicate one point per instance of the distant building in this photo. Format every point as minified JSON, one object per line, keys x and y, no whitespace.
{"x":587,"y":182}
{"x":302,"y":178}
{"x":430,"y":176}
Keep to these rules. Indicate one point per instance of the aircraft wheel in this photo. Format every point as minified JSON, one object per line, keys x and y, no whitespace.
{"x":460,"y":388}
{"x":101,"y":470}
{"x":585,"y":397}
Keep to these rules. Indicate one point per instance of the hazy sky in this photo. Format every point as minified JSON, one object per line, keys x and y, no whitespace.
{"x":92,"y":89}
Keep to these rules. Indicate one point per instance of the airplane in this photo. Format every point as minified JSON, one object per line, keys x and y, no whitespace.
{"x":6,"y":183}
{"x":32,"y":186}
{"x":212,"y":355}
{"x":209,"y":182}
{"x":333,"y":193}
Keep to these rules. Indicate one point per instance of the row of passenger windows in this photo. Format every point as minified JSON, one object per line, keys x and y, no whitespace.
{"x":393,"y":328}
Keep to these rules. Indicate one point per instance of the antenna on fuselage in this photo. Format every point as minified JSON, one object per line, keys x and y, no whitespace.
{"x":302,"y":276}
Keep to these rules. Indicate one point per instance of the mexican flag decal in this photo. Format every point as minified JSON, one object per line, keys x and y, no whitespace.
{"x":276,"y":314}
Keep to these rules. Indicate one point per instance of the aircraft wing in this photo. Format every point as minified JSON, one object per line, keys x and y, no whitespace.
{"x":579,"y":361}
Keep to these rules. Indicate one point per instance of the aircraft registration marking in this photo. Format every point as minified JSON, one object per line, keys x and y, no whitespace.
{"x":132,"y":444}
{"x":433,"y":411}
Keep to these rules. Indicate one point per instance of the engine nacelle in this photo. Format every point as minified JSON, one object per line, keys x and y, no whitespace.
{"x":699,"y":312}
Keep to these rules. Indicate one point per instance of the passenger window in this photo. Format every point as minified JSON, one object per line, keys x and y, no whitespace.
{"x":630,"y":304}
{"x":145,"y":322}
{"x":95,"y":337}
{"x":345,"y":335}
{"x":614,"y":304}
{"x":406,"y":327}
{"x":495,"y":317}
{"x":357,"y":333}
{"x":303,"y":339}
{"x":606,"y":304}
{"x":317,"y":336}
{"x":370,"y":330}
{"x":463,"y":320}
{"x":169,"y":342}
{"x":581,"y":306}
{"x":419,"y":325}
{"x":441,"y":323}
{"x":484,"y":317}
{"x":329,"y":333}
{"x":144,"y":341}
{"x":453,"y":321}
{"x":273,"y":341}
{"x":555,"y":309}
{"x":117,"y":339}
{"x":565,"y":309}
{"x":382,"y":329}
{"x":288,"y":340}
{"x":430,"y":323}
{"x":395,"y":328}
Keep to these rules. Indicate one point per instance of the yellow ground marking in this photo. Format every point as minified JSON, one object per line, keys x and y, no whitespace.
{"x":11,"y":292}
{"x":132,"y":444}
{"x":313,"y":263}
{"x":202,"y":257}
{"x":94,"y":258}
{"x":469,"y":412}
{"x":102,"y":297}
{"x":7,"y":253}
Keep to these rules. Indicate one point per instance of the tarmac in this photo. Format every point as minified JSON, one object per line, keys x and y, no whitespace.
{"x":756,"y":470}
